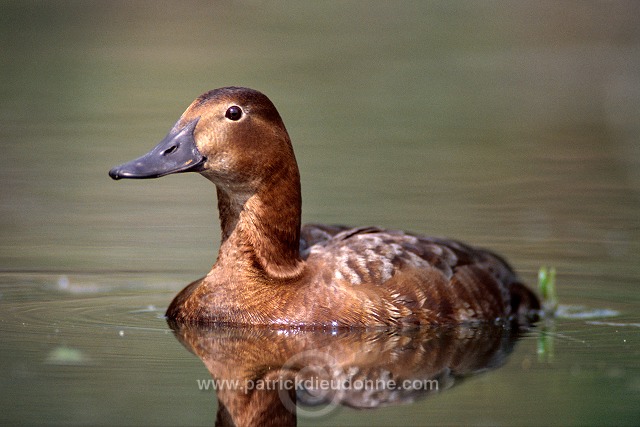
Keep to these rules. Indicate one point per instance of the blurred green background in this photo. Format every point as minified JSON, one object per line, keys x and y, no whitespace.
{"x":481,"y":120}
{"x":512,"y":125}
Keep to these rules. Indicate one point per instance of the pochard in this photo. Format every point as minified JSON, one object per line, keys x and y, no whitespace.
{"x":270,"y":271}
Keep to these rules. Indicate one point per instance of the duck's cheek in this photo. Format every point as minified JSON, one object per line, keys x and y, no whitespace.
{"x":221,"y":170}
{"x":215,"y":169}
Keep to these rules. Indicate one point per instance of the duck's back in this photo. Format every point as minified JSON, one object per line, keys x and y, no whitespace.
{"x":427,"y":279}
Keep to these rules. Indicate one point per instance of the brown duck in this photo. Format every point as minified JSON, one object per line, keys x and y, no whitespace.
{"x":270,"y":271}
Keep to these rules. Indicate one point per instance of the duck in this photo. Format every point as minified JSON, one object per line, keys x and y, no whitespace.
{"x":271,"y":271}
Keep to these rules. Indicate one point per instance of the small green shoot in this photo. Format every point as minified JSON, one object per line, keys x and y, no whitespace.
{"x":547,"y":288}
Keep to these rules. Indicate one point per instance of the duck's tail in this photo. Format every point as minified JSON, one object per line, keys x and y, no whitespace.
{"x":525,"y":304}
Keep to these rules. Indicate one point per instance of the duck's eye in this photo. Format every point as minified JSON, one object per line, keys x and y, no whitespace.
{"x":233,"y":113}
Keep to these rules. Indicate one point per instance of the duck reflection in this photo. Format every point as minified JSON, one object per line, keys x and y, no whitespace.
{"x":270,"y":377}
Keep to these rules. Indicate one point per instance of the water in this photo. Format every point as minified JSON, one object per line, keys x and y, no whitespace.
{"x":511,"y":126}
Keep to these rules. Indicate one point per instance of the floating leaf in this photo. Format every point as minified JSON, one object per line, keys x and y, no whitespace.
{"x":67,"y":356}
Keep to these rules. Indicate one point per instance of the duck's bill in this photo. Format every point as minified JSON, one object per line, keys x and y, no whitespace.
{"x":177,"y":152}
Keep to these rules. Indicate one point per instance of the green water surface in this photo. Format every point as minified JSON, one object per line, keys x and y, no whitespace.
{"x":510,"y":125}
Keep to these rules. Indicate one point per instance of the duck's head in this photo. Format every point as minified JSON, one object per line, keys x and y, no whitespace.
{"x":234,"y":136}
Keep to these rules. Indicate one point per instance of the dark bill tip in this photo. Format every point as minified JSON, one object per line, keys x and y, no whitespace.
{"x":115,"y":173}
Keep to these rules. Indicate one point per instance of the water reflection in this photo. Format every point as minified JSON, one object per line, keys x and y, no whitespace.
{"x":270,"y":377}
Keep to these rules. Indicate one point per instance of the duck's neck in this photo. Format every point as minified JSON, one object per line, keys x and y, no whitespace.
{"x":261,"y":227}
